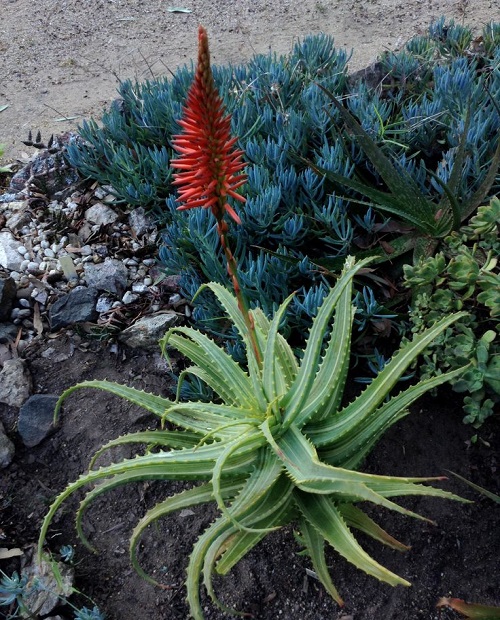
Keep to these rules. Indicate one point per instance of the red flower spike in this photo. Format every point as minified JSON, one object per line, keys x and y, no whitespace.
{"x":209,"y":165}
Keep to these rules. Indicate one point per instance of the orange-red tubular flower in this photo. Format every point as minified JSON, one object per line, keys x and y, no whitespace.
{"x":210,"y":167}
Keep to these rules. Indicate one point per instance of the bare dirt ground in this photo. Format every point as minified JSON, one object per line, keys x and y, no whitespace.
{"x":60,"y":59}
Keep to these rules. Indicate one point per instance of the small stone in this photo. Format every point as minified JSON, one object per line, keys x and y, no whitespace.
{"x":49,"y":253}
{"x":8,"y":333}
{"x":9,"y":256}
{"x":40,"y":296}
{"x":15,"y":382}
{"x":24,"y":313}
{"x":139,"y":288}
{"x":6,"y":449}
{"x":100,"y":214}
{"x":129,"y":297}
{"x":24,"y":292}
{"x":7,"y":296}
{"x":33,"y":267}
{"x":148,"y":281}
{"x":86,"y":250}
{"x":139,"y":222}
{"x":109,"y":276}
{"x":104,"y":304}
{"x":53,"y":586}
{"x":22,"y":250}
{"x":147,"y":331}
{"x":75,"y":307}
{"x":24,"y":303}
{"x":36,"y":419}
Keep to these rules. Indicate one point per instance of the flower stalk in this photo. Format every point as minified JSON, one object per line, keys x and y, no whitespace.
{"x":210,"y":168}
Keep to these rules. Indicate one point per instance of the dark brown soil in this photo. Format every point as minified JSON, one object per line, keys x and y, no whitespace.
{"x":456,"y":557}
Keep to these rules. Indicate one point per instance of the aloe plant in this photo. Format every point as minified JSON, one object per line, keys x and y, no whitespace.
{"x":277,"y":447}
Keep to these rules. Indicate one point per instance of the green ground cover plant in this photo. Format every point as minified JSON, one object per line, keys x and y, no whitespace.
{"x":464,"y":275}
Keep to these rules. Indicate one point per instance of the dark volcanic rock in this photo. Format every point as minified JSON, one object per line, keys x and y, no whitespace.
{"x":36,"y":419}
{"x":75,"y":307}
{"x":7,"y":296}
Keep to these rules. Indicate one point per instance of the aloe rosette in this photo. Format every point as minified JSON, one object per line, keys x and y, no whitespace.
{"x":276,"y":447}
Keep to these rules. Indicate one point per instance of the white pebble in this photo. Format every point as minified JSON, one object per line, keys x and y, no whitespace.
{"x":32,"y":266}
{"x":129,"y":297}
{"x":140,"y":288}
{"x":116,"y":304}
{"x":24,"y":303}
{"x":15,"y":275}
{"x":22,"y":250}
{"x":36,"y":248}
{"x":43,"y":266}
{"x":55,"y":247}
{"x":49,"y":253}
{"x":86,"y":250}
{"x":24,"y":265}
{"x":45,"y":244}
{"x":149,"y":262}
{"x":27,"y":256}
{"x":148,"y":281}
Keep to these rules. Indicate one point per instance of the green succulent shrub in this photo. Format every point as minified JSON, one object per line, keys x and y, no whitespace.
{"x":277,"y":445}
{"x":431,"y":111}
{"x":464,"y":275}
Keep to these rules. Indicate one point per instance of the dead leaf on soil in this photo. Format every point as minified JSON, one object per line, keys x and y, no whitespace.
{"x":37,"y":319}
{"x":5,"y":553}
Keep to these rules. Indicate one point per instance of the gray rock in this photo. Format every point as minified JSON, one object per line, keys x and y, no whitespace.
{"x":7,"y":296}
{"x":17,"y":215}
{"x":75,"y":307}
{"x":36,"y":419}
{"x":9,"y":256}
{"x":6,"y":449}
{"x":139,"y":222}
{"x":8,"y":332}
{"x":43,"y":598}
{"x":109,"y":276}
{"x":101,"y":214}
{"x":16,"y":384}
{"x":145,"y":333}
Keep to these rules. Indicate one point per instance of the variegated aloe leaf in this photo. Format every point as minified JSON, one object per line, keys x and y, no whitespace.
{"x":276,"y":447}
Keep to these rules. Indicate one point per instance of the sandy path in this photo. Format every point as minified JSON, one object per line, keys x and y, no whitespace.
{"x":61,"y":58}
